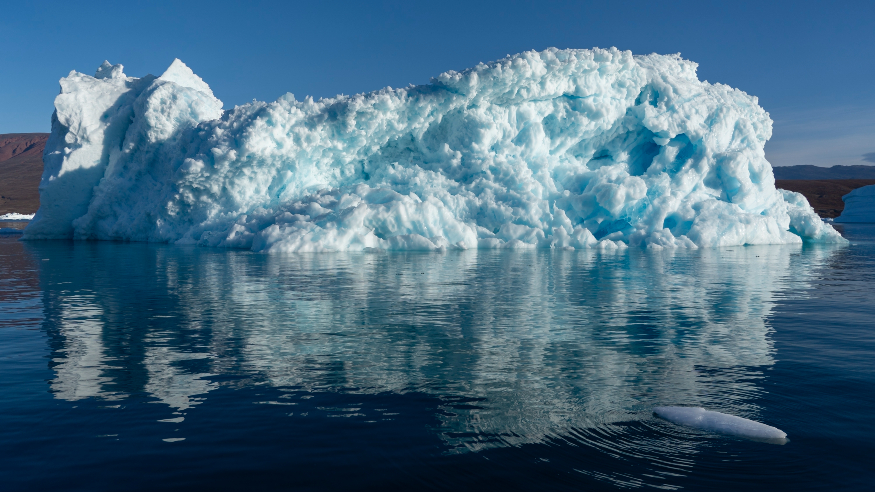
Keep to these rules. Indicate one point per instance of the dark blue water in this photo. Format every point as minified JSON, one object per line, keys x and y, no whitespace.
{"x":136,"y":367}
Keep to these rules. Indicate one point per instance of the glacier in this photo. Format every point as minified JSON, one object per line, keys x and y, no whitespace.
{"x":553,"y":149}
{"x":859,"y":205}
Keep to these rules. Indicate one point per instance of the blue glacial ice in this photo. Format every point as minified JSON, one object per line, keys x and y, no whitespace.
{"x":554,"y":149}
{"x":859,"y":205}
{"x":720,"y":423}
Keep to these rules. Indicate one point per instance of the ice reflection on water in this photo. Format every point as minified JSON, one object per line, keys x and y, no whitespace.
{"x":521,"y":346}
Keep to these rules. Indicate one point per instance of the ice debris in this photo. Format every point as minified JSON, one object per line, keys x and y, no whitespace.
{"x":859,"y":205}
{"x":720,"y":423}
{"x":559,"y":149}
{"x":14,"y":217}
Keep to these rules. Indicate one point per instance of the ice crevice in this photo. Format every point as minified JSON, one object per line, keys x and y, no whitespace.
{"x":553,"y":149}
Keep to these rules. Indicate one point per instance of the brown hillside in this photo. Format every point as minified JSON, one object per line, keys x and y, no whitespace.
{"x":21,"y":167}
{"x":825,"y":195}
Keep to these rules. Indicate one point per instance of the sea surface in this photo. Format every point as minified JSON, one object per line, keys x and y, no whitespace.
{"x":129,"y":366}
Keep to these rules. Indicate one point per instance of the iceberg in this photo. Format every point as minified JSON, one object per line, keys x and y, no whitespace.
{"x":859,"y":205}
{"x":554,"y":149}
{"x":720,"y":423}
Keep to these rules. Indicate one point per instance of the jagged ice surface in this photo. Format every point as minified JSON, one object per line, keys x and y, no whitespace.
{"x":560,"y":148}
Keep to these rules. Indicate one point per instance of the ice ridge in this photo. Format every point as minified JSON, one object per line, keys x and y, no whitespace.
{"x":558,"y":149}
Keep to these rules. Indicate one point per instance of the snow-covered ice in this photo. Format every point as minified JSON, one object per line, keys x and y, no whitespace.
{"x":859,"y":205}
{"x":560,"y":148}
{"x":14,"y":217}
{"x":721,"y":423}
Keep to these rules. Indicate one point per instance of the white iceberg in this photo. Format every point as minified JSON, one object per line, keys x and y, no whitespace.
{"x":720,"y":423}
{"x":859,"y":205}
{"x":560,"y":148}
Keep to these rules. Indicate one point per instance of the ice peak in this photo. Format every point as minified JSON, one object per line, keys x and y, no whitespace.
{"x":179,"y":73}
{"x":107,"y":70}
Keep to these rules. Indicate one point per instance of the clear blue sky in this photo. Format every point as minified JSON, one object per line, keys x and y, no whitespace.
{"x":812,"y":64}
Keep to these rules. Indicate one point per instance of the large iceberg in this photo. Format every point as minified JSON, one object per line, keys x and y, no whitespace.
{"x":560,"y":148}
{"x":859,"y":205}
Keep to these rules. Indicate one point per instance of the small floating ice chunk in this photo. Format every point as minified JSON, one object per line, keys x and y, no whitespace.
{"x":12,"y":216}
{"x":722,"y":423}
{"x":10,"y":230}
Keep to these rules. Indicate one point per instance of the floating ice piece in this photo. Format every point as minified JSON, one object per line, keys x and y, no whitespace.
{"x":14,"y":217}
{"x":721,"y":423}
{"x":859,"y":205}
{"x":554,"y":149}
{"x":8,"y":231}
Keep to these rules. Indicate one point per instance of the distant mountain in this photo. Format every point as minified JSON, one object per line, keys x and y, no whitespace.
{"x":21,"y":167}
{"x":816,"y":172}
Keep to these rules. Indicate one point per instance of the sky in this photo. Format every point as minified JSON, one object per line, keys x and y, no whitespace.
{"x":811,"y":64}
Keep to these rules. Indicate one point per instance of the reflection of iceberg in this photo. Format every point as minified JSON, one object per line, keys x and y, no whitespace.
{"x":81,"y":364}
{"x":100,"y":344}
{"x":559,"y":148}
{"x":172,"y":385}
{"x":520,"y":345}
{"x":513,"y":350}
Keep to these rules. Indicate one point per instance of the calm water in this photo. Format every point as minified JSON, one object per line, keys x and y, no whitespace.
{"x":134,"y":366}
{"x":13,"y":224}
